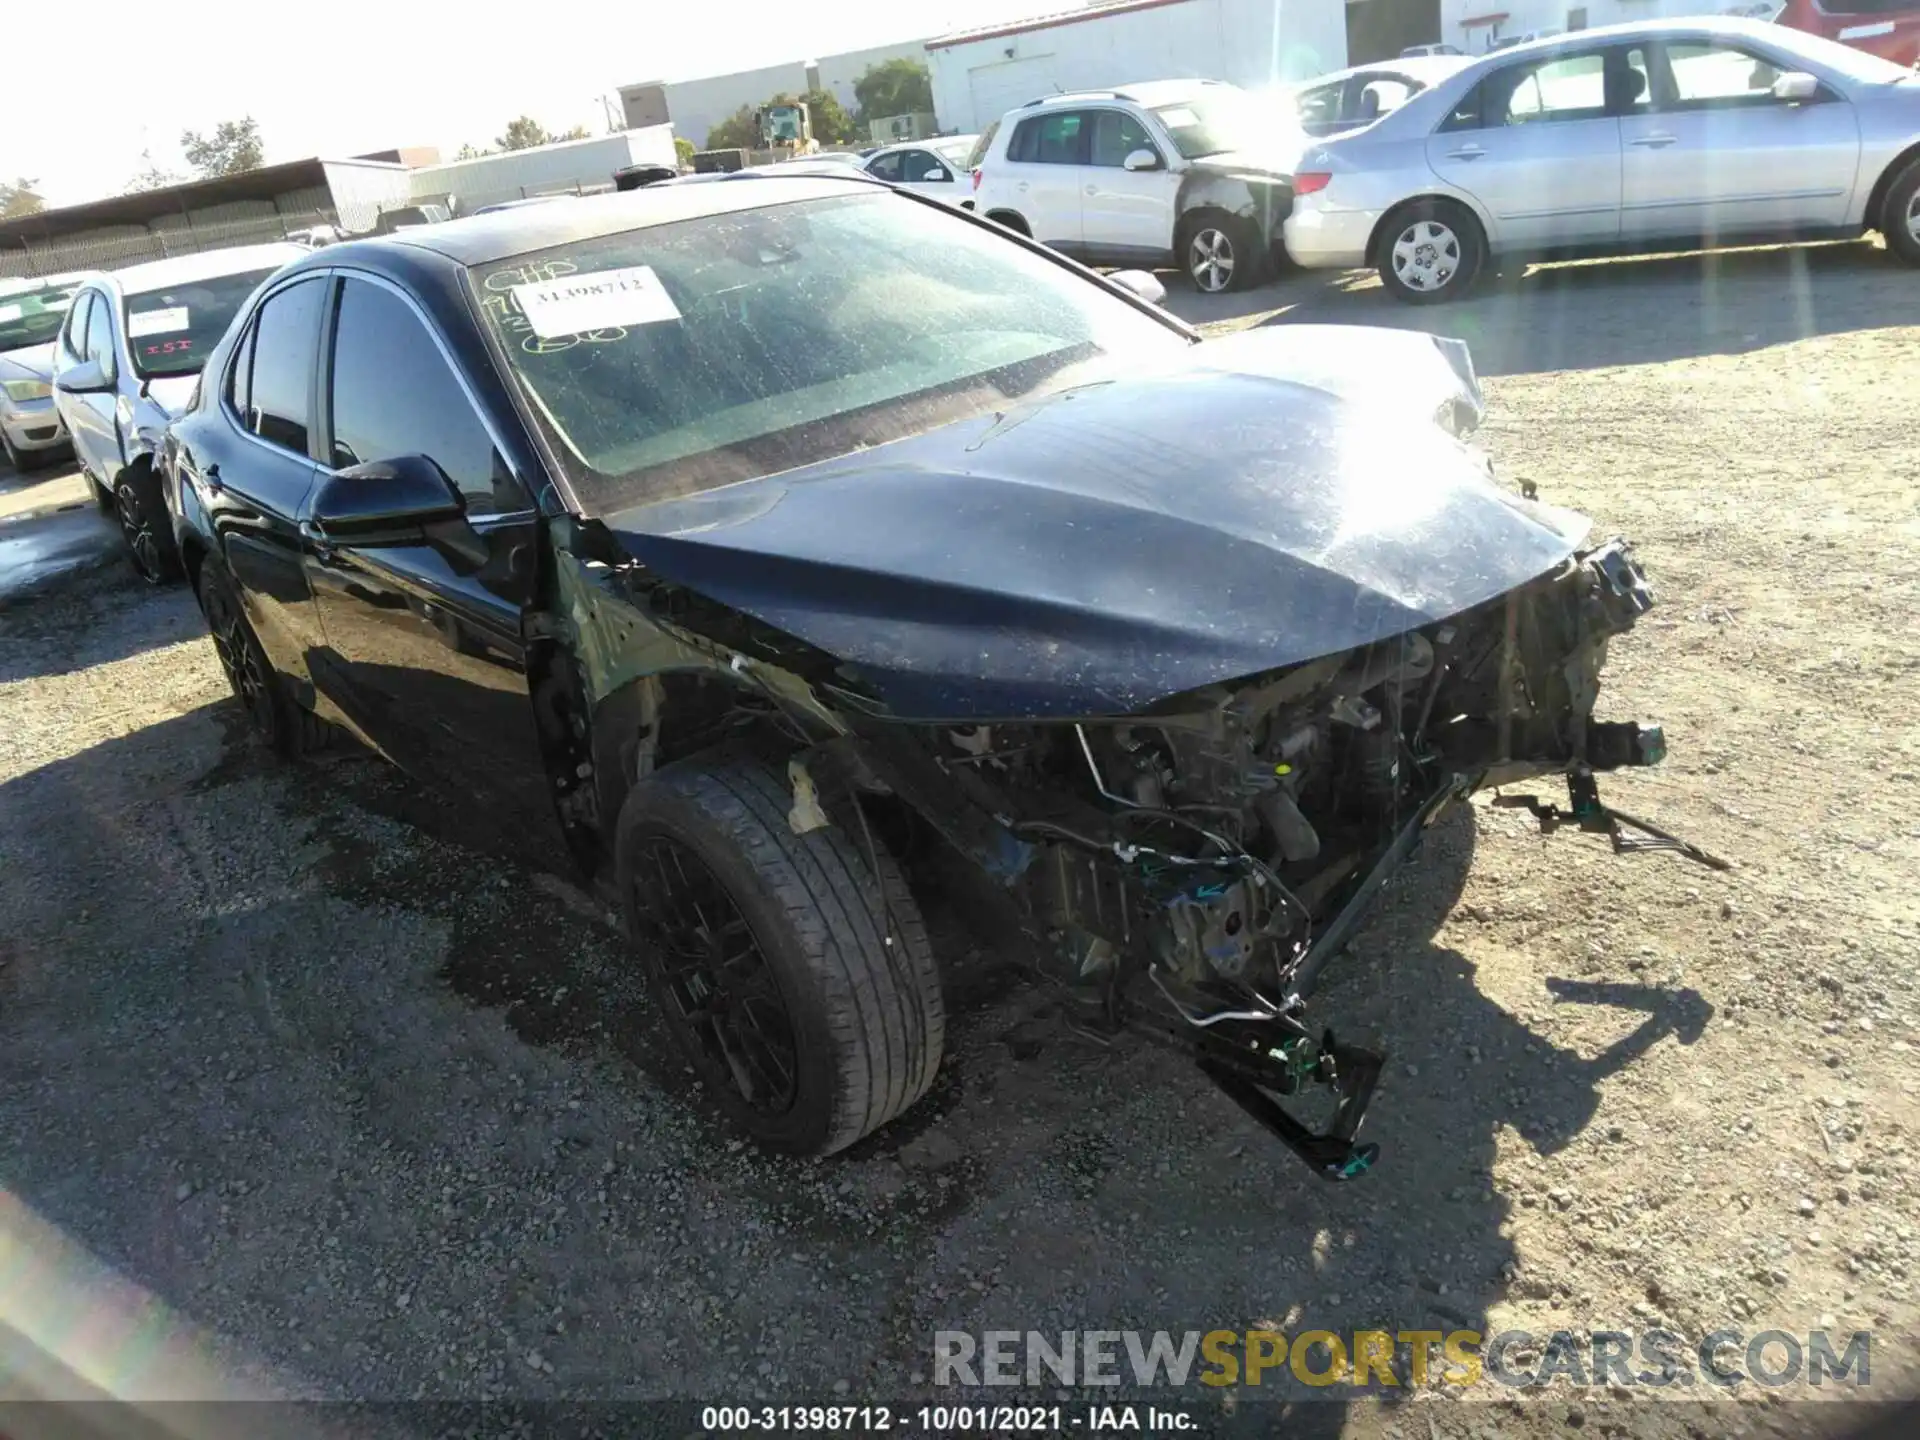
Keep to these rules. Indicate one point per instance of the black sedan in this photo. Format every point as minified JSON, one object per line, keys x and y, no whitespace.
{"x":741,"y":533}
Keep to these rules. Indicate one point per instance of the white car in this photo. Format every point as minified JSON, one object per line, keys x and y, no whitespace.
{"x":31,"y":313}
{"x":1710,"y":130}
{"x":1194,"y":173}
{"x":935,"y":167}
{"x":126,"y":362}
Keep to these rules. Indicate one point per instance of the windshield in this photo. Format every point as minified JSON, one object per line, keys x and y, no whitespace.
{"x":33,"y":317}
{"x":172,"y":331}
{"x":1219,"y":120}
{"x":690,"y":355}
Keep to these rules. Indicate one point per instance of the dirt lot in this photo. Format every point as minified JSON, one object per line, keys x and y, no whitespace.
{"x":375,"y":1099}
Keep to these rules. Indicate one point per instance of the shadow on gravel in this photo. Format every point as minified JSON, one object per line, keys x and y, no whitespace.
{"x":91,"y":617}
{"x":1642,"y":310}
{"x":207,"y":1073}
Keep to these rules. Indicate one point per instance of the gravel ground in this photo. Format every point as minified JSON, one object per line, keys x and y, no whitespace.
{"x":374,"y":1097}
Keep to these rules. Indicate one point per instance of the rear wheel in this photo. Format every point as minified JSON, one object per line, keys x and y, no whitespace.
{"x":794,"y":969}
{"x":276,"y":721}
{"x":1900,"y":214}
{"x":1430,"y":252}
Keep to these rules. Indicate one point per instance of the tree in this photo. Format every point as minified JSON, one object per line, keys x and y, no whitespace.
{"x":900,"y":86}
{"x":233,"y":147}
{"x":737,"y":132}
{"x":831,"y":123}
{"x":150,"y":176}
{"x":471,"y":152}
{"x":683,"y":150}
{"x":20,"y":198}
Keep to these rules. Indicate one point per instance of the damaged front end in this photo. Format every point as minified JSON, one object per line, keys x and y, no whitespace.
{"x":1193,"y":869}
{"x":1029,"y":655}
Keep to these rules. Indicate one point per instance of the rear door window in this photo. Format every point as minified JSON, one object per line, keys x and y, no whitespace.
{"x":886,"y":167}
{"x":286,"y":336}
{"x":1056,"y":139}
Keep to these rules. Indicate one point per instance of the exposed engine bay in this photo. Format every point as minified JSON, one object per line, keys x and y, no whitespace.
{"x":1187,"y":857}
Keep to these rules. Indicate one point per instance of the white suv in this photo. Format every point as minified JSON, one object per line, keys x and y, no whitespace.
{"x":1173,"y":172}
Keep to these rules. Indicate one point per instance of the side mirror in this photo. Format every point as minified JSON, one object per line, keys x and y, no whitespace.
{"x":86,"y":378}
{"x":401,"y":494}
{"x":1141,"y":160}
{"x":404,"y":501}
{"x":935,"y":175}
{"x":1140,"y":283}
{"x":1796,"y":86}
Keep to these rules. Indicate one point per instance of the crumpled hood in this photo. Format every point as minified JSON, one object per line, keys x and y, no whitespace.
{"x":1277,"y":163}
{"x":172,"y":393}
{"x":1109,"y":546}
{"x":31,"y":362}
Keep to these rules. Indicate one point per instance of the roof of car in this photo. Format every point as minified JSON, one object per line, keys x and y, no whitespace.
{"x":1424,"y":68}
{"x":1144,"y":92}
{"x":479,"y":239}
{"x":181,"y":269}
{"x":20,"y":285}
{"x":1680,"y":25}
{"x":932,"y":142}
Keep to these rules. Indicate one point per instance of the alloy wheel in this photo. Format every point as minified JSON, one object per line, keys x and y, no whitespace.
{"x":1426,"y":256}
{"x":241,"y":661}
{"x":1210,"y":259}
{"x":721,"y":983}
{"x":142,"y":543}
{"x":1913,"y":217}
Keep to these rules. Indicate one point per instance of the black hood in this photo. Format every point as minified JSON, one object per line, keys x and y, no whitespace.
{"x":1109,"y":546}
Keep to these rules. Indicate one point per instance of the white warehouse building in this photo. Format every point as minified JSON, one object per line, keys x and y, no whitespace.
{"x":979,"y":75}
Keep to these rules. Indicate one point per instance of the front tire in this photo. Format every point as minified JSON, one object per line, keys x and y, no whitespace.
{"x":1430,"y":252}
{"x":16,"y":458}
{"x":145,"y":528}
{"x":1900,"y":214}
{"x":1219,"y":254}
{"x":797,"y":981}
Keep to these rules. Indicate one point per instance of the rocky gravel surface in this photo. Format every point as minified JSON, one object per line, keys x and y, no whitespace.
{"x":372,"y":1095}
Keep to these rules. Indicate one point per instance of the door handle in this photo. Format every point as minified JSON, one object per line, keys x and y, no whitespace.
{"x":1466,"y":152}
{"x":1021,"y":187}
{"x":1093,"y":190}
{"x":1654,"y":142}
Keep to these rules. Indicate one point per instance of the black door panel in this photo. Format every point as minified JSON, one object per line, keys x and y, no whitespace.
{"x":428,"y":647}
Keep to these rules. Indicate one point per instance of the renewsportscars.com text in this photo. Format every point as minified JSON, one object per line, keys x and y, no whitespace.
{"x":1414,"y":1358}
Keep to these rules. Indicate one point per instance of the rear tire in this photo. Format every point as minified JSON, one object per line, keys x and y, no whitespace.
{"x":1900,"y":214}
{"x":798,"y":983}
{"x":1430,"y":252}
{"x":271,"y":713}
{"x":1012,"y":221}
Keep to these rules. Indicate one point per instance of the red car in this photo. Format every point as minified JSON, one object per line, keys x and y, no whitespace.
{"x":1887,"y":28}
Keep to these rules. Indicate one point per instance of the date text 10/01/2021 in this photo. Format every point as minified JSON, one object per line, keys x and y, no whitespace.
{"x":934,"y":1419}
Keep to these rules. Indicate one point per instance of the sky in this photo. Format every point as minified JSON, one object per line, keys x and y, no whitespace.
{"x":356,"y":75}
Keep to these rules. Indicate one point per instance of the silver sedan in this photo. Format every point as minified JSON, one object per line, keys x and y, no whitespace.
{"x":1713,"y":130}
